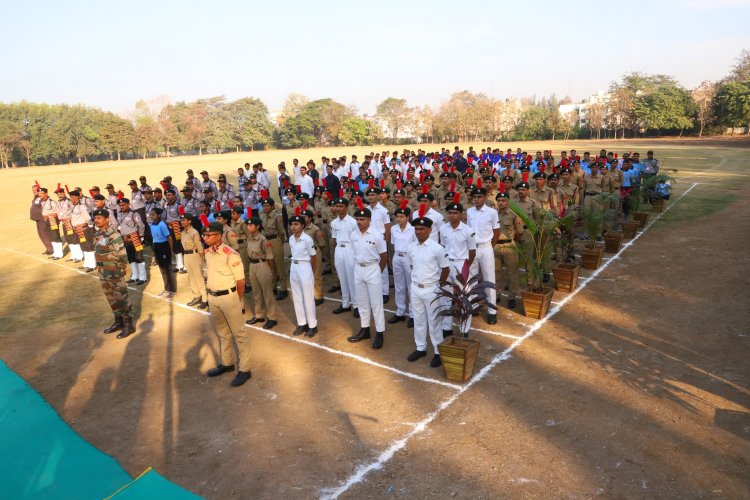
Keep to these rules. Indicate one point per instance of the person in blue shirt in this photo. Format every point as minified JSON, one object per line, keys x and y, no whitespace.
{"x":162,"y":246}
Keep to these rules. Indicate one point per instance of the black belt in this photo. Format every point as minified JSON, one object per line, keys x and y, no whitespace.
{"x":502,"y":242}
{"x":221,"y":292}
{"x":240,"y":241}
{"x":272,"y":236}
{"x":587,"y":193}
{"x":188,"y":252}
{"x":254,"y":261}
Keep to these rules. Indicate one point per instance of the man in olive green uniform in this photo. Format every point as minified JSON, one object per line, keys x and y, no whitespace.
{"x":112,"y":263}
{"x":194,"y":258}
{"x":506,"y":257}
{"x":260,"y":260}
{"x":225,"y":284}
{"x":273,"y":230}
{"x":318,"y":238}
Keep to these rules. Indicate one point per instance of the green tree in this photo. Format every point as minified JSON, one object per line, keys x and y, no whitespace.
{"x":250,"y":125}
{"x":733,"y":104}
{"x":663,"y":104}
{"x":318,"y":124}
{"x":355,"y":131}
{"x":533,"y":124}
{"x":395,"y":114}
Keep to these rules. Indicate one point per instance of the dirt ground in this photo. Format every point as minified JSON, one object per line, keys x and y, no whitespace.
{"x":638,"y":386}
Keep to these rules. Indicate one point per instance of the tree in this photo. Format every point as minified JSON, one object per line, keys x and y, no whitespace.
{"x":703,"y":97}
{"x":663,"y":104}
{"x":293,"y":105}
{"x":741,"y":70}
{"x":318,"y":124}
{"x":395,"y":114}
{"x":355,"y":131}
{"x":251,"y":127}
{"x":596,"y":114}
{"x":533,"y":124}
{"x":733,"y":104}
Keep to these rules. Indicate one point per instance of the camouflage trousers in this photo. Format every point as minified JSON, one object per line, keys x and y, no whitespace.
{"x":115,"y":290}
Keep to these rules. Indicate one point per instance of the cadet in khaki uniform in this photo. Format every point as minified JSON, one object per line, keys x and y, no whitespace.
{"x":568,"y":191}
{"x":225,"y":285}
{"x":273,"y":230}
{"x":318,"y":238}
{"x":194,"y":258}
{"x":531,"y":208}
{"x":260,"y":259}
{"x":543,"y":195}
{"x":506,"y":257}
{"x":238,"y":226}
{"x":323,"y":217}
{"x":228,"y":236}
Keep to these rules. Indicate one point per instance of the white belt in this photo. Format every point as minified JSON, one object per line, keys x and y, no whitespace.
{"x":365,"y":264}
{"x":426,"y":285}
{"x":454,"y":260}
{"x":401,"y":254}
{"x":485,"y":244}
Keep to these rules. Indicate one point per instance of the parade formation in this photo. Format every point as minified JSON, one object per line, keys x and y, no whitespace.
{"x":406,"y":222}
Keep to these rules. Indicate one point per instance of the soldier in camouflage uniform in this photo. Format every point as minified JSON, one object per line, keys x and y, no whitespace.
{"x":112,"y":263}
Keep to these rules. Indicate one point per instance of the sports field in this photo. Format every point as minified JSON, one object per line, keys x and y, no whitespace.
{"x":635,"y":385}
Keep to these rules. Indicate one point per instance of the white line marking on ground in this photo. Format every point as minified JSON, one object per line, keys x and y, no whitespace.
{"x":356,"y":357}
{"x":362,"y":471}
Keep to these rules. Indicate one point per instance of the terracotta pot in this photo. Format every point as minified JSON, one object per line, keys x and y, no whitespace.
{"x":591,"y":258}
{"x":536,"y":305}
{"x":459,"y":355}
{"x":629,"y":228}
{"x":613,"y":241}
{"x":657,"y":206}
{"x":641,"y":217}
{"x":566,"y":277}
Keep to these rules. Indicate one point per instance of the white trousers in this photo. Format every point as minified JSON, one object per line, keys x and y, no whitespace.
{"x":385,"y":281}
{"x":344,"y":256}
{"x":454,"y":268}
{"x":484,"y":262}
{"x":402,"y":284}
{"x":301,"y":281}
{"x":368,"y":283}
{"x":425,"y":317}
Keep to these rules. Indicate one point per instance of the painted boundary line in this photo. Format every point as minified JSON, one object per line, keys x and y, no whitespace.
{"x":359,"y":474}
{"x":345,"y":354}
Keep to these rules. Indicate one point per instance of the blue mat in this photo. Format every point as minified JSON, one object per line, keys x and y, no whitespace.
{"x":41,"y":457}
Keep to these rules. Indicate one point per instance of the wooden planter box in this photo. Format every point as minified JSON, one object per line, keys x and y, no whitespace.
{"x":459,"y":357}
{"x":536,"y":305}
{"x":566,"y":277}
{"x":591,"y":258}
{"x":641,"y":217}
{"x":629,"y":228}
{"x":613,"y":241}
{"x":657,"y":206}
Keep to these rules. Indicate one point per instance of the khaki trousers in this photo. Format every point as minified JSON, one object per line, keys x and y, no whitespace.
{"x":195,"y":275}
{"x":261,"y":280}
{"x":226,"y":318}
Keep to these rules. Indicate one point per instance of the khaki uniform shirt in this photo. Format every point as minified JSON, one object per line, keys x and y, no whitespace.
{"x":229,"y":237}
{"x":240,"y":229}
{"x":509,"y":224}
{"x":191,"y":240}
{"x":273,"y":224}
{"x":315,"y":234}
{"x":544,"y":198}
{"x":258,"y":247}
{"x":223,"y":268}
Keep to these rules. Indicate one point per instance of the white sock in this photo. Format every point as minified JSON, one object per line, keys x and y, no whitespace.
{"x":89,"y":261}
{"x":57,"y":249}
{"x":180,"y":261}
{"x":75,"y":252}
{"x":133,"y":271}
{"x":142,"y":271}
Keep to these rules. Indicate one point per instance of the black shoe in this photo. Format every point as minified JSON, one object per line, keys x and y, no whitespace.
{"x":447,"y":333}
{"x":334,"y":288}
{"x":319,"y":302}
{"x":127,"y":328}
{"x":131,"y":280}
{"x":511,"y":303}
{"x":492,"y":319}
{"x":342,"y":309}
{"x":269,"y":324}
{"x":140,"y":282}
{"x":362,"y":334}
{"x":435,"y":361}
{"x":175,"y":270}
{"x":55,"y":258}
{"x":410,"y":323}
{"x":202,"y":305}
{"x":378,"y":342}
{"x":546,"y":278}
{"x":386,"y":298}
{"x":240,"y":379}
{"x":220,"y":370}
{"x":282,"y":295}
{"x":248,"y":289}
{"x":183,"y":271}
{"x":416,"y":355}
{"x":300,"y":330}
{"x":311,"y":332}
{"x":90,"y":269}
{"x":117,"y":325}
{"x":356,"y":312}
{"x":254,"y":320}
{"x":395,"y":319}
{"x":195,"y":301}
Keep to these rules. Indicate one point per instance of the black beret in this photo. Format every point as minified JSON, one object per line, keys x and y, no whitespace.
{"x":102,"y":212}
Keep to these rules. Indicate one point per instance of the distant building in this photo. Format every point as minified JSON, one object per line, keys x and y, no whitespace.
{"x":580,"y":111}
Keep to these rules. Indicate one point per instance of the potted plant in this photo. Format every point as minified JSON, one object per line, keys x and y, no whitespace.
{"x":566,"y":272}
{"x":593,"y":220}
{"x":634,"y":201}
{"x":657,"y":189}
{"x":467,"y":298}
{"x":544,"y":232}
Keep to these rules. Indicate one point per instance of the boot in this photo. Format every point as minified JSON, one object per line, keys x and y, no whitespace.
{"x":133,"y":273}
{"x":378,"y":342}
{"x":118,"y":324}
{"x":127,"y":328}
{"x":362,"y":334}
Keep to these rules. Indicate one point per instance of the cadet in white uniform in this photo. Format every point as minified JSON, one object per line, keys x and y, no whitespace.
{"x":380,"y":222}
{"x":485,"y":224}
{"x":301,"y":278}
{"x":429,"y":268}
{"x":370,"y":258}
{"x":432,"y":214}
{"x":342,"y":228}
{"x":402,"y":235}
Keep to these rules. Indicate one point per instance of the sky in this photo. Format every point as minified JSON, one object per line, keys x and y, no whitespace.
{"x":111,"y":54}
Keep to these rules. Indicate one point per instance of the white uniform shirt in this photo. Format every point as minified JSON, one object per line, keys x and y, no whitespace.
{"x":307,"y":184}
{"x":457,"y":242}
{"x":427,"y":260}
{"x":354,"y":168}
{"x":342,"y":229}
{"x":483,"y":222}
{"x":437,"y":222}
{"x":340,"y":172}
{"x":401,"y":239}
{"x":368,"y":246}
{"x":302,"y":249}
{"x":380,"y":218}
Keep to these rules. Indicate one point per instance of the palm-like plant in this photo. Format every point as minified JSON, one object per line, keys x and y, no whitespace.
{"x":545,"y":233}
{"x":467,"y":298}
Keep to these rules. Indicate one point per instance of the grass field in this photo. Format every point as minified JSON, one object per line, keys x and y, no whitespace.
{"x":637,"y":384}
